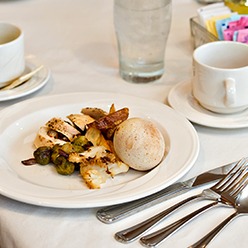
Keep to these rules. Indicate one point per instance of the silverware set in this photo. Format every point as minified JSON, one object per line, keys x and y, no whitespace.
{"x":229,"y":191}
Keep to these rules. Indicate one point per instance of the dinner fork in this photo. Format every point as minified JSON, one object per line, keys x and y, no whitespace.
{"x":240,"y":201}
{"x":228,"y":197}
{"x":132,"y":233}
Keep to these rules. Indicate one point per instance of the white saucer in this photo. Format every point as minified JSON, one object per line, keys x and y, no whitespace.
{"x":180,"y":98}
{"x":32,"y":85}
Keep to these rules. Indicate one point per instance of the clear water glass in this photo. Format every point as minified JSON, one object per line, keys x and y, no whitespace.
{"x":142,"y":29}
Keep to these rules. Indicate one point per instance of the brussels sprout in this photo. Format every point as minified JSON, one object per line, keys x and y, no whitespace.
{"x":81,"y":144}
{"x":67,"y":148}
{"x":42,"y":155}
{"x":63,"y":166}
{"x":55,"y":153}
{"x":80,"y":141}
{"x":78,"y":149}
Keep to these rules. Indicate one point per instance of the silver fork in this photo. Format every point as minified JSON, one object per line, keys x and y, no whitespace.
{"x":233,"y":188}
{"x":132,"y":233}
{"x":240,"y":201}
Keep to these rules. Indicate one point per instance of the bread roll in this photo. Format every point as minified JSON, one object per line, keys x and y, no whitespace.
{"x":139,"y":144}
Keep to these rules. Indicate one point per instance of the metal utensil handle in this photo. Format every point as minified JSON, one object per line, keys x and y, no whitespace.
{"x":115,"y":213}
{"x":154,"y":239}
{"x":134,"y":232}
{"x":22,"y":79}
{"x":203,"y":242}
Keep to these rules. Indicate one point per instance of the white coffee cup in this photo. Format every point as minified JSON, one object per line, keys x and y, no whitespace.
{"x":12,"y":58}
{"x":220,"y":76}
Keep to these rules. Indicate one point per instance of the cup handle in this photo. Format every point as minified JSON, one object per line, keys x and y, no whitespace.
{"x":230,"y":86}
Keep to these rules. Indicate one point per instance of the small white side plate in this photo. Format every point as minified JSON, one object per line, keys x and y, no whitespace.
{"x":32,"y":85}
{"x":181,"y":99}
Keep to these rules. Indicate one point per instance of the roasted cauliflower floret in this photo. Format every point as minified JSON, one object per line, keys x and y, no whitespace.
{"x":117,"y":168}
{"x":94,"y":175}
{"x":97,"y":161}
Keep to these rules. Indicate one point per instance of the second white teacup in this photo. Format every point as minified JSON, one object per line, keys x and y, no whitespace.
{"x":12,"y":58}
{"x":220,"y":76}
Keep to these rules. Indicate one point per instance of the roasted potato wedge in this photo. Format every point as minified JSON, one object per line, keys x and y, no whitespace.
{"x":95,"y":113}
{"x":111,"y":120}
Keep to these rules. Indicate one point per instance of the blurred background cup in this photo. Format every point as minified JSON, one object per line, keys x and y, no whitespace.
{"x":220,"y":76}
{"x":142,"y":28}
{"x":12,"y":60}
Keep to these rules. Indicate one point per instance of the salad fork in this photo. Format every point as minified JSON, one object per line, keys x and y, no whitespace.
{"x":132,"y":233}
{"x":228,"y":197}
{"x":241,"y":207}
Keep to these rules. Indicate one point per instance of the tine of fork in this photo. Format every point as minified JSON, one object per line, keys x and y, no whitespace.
{"x":231,"y":174}
{"x":235,"y":178}
{"x":239,"y":186}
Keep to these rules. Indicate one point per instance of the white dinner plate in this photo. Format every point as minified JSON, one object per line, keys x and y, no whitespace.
{"x":41,"y":185}
{"x":32,"y":85}
{"x":181,"y":99}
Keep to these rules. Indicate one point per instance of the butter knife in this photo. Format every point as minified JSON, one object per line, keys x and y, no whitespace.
{"x":115,"y":213}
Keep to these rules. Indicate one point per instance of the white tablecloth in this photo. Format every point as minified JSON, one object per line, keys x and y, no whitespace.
{"x":76,"y":40}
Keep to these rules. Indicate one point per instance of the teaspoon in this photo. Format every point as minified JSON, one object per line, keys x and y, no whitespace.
{"x":241,"y":208}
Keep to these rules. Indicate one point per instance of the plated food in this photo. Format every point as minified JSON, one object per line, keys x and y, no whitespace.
{"x":42,"y":186}
{"x":98,"y":144}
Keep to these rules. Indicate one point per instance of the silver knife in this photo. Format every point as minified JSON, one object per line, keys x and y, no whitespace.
{"x":115,"y":213}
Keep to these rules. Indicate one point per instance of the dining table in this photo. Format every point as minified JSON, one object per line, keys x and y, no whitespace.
{"x":76,"y":43}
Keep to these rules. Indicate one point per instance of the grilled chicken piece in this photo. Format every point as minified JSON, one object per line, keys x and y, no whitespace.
{"x":63,"y":127}
{"x":47,"y":137}
{"x":80,"y":120}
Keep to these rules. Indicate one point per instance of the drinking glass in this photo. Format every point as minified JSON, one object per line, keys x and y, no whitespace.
{"x":142,"y":28}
